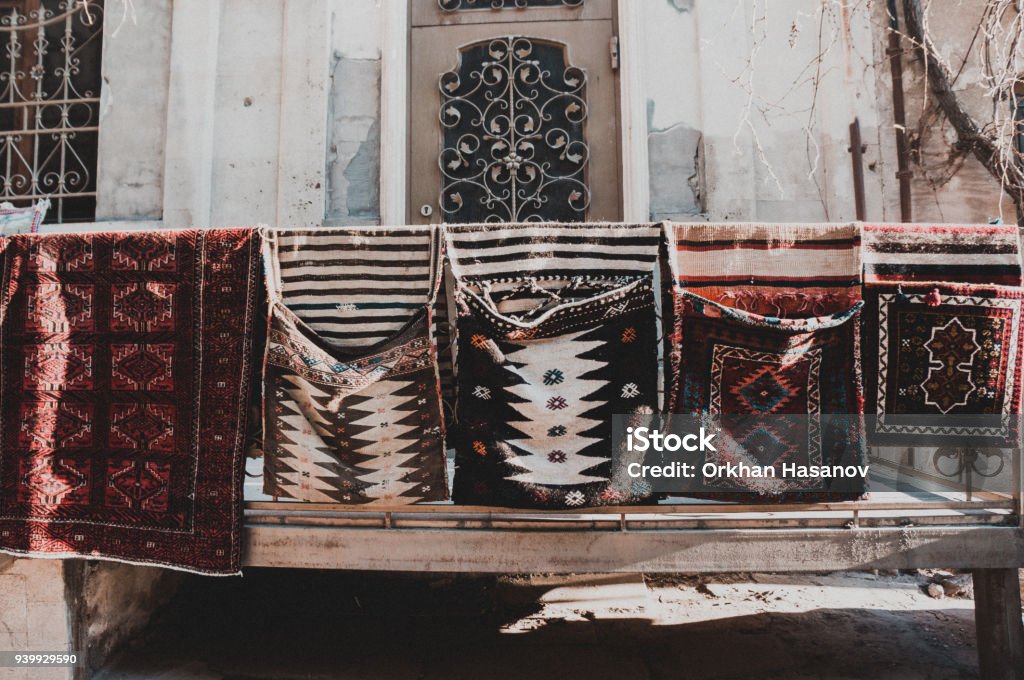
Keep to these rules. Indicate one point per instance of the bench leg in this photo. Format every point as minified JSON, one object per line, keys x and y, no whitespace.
{"x":997,"y":617}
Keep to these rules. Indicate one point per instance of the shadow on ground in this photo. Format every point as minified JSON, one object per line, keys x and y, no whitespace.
{"x":313,"y":625}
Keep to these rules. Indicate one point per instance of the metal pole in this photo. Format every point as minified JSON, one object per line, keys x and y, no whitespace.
{"x":857,"y":157}
{"x":903,"y":172}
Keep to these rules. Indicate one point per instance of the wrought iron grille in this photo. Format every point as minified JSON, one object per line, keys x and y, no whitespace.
{"x":455,"y":5}
{"x":49,"y":103}
{"x":512,"y":116}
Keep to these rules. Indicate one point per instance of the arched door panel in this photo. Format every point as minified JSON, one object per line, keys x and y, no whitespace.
{"x":513,"y":121}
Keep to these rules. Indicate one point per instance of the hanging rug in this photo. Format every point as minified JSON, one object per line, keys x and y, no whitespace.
{"x":557,"y":333}
{"x":124,"y":395}
{"x":942,"y":364}
{"x":352,"y":406}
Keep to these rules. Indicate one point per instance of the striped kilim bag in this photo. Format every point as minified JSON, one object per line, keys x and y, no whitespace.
{"x":352,"y":409}
{"x":942,"y":334}
{"x":904,"y":253}
{"x":354,"y":287}
{"x":557,"y":332}
{"x":784,"y":270}
{"x":764,"y":336}
{"x":357,"y":287}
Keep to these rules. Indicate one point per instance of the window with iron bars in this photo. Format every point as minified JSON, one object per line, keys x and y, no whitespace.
{"x":49,"y":104}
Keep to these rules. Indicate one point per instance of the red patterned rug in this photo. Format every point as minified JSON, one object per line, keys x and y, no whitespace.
{"x":942,"y":364}
{"x":784,"y":392}
{"x":126,"y":366}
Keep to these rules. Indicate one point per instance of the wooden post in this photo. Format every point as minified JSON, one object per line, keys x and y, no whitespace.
{"x":997,"y":616}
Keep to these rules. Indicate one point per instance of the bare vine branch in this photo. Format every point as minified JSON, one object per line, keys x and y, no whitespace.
{"x":993,"y":142}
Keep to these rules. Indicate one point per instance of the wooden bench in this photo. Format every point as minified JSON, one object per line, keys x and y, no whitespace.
{"x":979,"y":531}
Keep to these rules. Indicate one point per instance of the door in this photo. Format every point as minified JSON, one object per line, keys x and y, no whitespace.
{"x":513,"y":111}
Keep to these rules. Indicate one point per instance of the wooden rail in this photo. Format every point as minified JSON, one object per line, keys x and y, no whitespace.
{"x":987,"y":500}
{"x":325,"y":535}
{"x":684,"y":550}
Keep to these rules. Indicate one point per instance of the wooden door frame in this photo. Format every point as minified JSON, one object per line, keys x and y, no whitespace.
{"x":394,"y":95}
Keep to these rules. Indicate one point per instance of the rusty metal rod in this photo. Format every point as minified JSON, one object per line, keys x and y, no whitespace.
{"x":903,"y":172}
{"x":857,"y":157}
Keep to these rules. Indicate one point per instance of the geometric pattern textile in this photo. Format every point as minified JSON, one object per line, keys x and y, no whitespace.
{"x":974,"y":254}
{"x":357,"y":428}
{"x":943,"y":364}
{"x":536,"y":400}
{"x":770,"y":385}
{"x":126,"y":364}
{"x":779,"y":272}
{"x":352,"y":406}
{"x":556,"y":333}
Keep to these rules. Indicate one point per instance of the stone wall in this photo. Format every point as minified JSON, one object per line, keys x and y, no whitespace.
{"x":90,"y":607}
{"x":112,"y":604}
{"x":736,"y":129}
{"x":33,"y":613}
{"x":353,"y":161}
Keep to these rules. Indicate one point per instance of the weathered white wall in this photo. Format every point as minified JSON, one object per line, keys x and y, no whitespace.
{"x":711,"y":66}
{"x":89,"y":607}
{"x":297,"y":107}
{"x":271,"y":111}
{"x":133,"y":113}
{"x":353,"y":162}
{"x":675,"y":122}
{"x":190,"y":126}
{"x":247,"y":104}
{"x":34,"y":614}
{"x":216,"y":112}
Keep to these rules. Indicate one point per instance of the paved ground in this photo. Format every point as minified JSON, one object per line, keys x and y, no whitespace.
{"x":312,"y":625}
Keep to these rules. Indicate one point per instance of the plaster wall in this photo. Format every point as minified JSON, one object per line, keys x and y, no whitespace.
{"x":289,"y":132}
{"x":736,"y":130}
